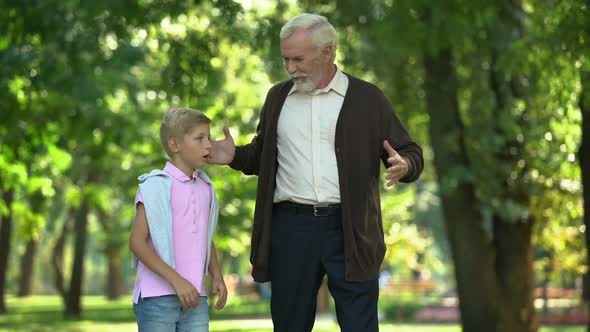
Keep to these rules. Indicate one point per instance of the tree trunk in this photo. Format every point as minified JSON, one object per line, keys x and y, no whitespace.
{"x":57,"y":258}
{"x":584,"y":158}
{"x":27,"y":263}
{"x":5,"y":236}
{"x":514,"y":249}
{"x":73,"y":299}
{"x":512,"y":238}
{"x":115,"y":283}
{"x":417,"y":273}
{"x":514,"y":268}
{"x":116,"y":286}
{"x":470,"y":245}
{"x":27,"y":260}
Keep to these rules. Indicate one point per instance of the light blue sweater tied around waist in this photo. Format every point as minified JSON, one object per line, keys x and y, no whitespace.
{"x":156,"y":187}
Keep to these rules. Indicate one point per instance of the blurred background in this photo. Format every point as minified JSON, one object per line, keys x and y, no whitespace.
{"x":491,"y":238}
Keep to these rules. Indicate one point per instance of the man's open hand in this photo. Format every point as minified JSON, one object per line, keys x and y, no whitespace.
{"x":399,"y":165}
{"x":222,"y":152}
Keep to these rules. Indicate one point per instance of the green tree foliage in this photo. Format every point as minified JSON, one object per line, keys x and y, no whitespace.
{"x":83,"y":87}
{"x":519,"y":154}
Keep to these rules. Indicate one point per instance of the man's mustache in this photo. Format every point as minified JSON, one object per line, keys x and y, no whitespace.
{"x":298,"y":75}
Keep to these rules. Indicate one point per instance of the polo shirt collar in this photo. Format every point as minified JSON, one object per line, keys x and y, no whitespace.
{"x":178,"y":174}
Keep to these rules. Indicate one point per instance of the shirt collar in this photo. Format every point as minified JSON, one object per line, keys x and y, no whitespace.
{"x":338,"y":84}
{"x":178,"y":174}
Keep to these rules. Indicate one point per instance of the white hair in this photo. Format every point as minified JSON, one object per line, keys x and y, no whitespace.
{"x":321,"y":31}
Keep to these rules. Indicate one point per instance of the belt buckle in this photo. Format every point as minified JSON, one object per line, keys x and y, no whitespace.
{"x":317,"y":211}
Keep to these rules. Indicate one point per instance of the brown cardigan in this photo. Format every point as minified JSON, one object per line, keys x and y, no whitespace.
{"x":365,"y":121}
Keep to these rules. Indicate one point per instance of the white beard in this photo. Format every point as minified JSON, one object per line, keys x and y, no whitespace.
{"x":305,"y":85}
{"x":306,"y":82}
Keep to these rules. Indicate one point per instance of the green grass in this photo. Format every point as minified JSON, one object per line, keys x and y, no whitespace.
{"x":330,"y":326}
{"x":44,"y":314}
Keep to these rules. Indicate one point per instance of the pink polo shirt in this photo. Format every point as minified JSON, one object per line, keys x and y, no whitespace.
{"x":191,"y":200}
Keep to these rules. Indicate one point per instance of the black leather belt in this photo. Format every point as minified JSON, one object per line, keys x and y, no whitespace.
{"x":312,"y":210}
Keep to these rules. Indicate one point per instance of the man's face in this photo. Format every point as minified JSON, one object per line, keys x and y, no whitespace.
{"x":303,"y":61}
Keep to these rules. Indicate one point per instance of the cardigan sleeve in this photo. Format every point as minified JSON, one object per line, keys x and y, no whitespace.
{"x":397,"y":136}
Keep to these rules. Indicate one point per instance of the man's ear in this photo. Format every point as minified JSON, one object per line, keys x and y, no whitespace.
{"x":173,"y":144}
{"x":327,"y":52}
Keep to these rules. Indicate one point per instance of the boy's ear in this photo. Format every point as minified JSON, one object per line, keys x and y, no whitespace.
{"x":173,"y":144}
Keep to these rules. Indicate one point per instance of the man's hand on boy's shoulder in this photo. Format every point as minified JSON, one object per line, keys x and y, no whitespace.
{"x":219,"y":289}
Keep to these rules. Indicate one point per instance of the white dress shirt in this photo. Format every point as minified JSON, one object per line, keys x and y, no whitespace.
{"x":307,"y":172}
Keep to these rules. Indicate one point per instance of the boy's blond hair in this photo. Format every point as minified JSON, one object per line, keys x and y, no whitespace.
{"x":177,"y":122}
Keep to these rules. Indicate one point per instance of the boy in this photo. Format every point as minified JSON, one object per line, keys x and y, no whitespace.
{"x":171,"y":237}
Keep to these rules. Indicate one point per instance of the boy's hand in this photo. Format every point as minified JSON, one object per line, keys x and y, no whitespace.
{"x":222,"y":152}
{"x":220,"y":290}
{"x":186,"y":292}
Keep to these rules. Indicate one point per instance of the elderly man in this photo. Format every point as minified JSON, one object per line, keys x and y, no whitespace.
{"x":321,"y":137}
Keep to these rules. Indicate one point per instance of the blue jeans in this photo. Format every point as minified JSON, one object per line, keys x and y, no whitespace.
{"x":165,"y":314}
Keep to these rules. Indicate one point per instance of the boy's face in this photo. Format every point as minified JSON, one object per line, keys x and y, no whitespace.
{"x":194,"y":147}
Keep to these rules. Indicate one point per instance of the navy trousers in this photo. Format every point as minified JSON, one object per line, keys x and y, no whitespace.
{"x":304,"y":249}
